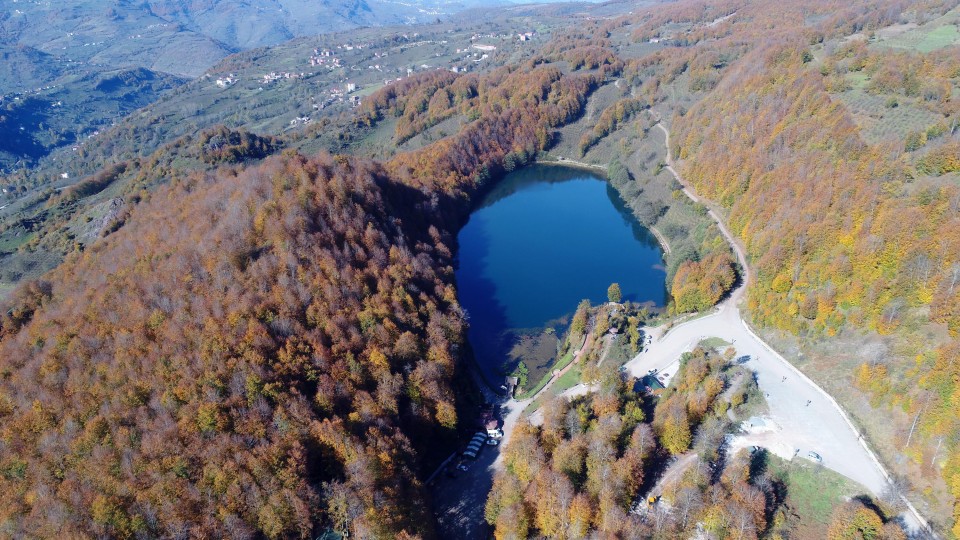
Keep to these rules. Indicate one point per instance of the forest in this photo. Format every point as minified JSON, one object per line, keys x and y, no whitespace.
{"x":255,"y":343}
{"x":580,"y":472}
{"x":841,"y":233}
{"x":266,"y":350}
{"x":252,"y":353}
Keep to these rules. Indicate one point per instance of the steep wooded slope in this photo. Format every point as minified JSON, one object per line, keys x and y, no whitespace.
{"x":258,"y":352}
{"x":845,"y":236}
{"x":250,"y":353}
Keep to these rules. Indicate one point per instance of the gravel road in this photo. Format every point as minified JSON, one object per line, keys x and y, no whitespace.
{"x":809,"y":419}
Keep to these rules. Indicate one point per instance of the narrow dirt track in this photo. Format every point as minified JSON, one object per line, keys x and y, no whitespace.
{"x":808,"y":417}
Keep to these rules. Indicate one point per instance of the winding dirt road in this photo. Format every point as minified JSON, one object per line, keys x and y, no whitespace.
{"x":803,"y":416}
{"x":806,"y":417}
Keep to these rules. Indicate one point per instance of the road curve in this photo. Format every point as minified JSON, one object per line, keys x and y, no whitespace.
{"x":808,"y":419}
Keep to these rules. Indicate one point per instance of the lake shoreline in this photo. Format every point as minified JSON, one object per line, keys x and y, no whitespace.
{"x":536,"y":244}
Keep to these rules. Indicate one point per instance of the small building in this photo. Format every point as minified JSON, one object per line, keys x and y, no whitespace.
{"x":510,"y":385}
{"x":489,"y":423}
{"x":648,"y":383}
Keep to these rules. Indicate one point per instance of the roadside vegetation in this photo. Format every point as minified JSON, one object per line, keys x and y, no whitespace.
{"x":654,"y":465}
{"x":883,"y":260}
{"x":273,"y":349}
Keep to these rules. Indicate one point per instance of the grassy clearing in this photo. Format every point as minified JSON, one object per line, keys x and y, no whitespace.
{"x":14,"y":238}
{"x":560,"y":364}
{"x":567,"y":380}
{"x":715,"y":343}
{"x":858,"y":79}
{"x":939,"y":38}
{"x":5,"y":289}
{"x":929,"y":36}
{"x":879,"y":122}
{"x":813,"y":491}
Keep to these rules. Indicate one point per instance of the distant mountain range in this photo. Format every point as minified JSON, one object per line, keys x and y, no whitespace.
{"x":184,"y":37}
{"x":54,"y":55}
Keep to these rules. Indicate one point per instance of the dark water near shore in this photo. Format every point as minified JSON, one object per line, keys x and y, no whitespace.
{"x":545,"y":238}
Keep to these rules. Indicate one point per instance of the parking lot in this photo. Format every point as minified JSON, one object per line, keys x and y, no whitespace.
{"x":459,"y":500}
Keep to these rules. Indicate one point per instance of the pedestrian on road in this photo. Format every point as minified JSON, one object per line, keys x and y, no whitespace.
{"x":783,"y":379}
{"x":808,"y":403}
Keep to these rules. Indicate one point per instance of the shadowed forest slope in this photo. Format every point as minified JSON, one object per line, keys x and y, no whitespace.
{"x":251,"y":352}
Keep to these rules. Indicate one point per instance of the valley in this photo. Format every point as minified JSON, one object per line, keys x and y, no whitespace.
{"x":256,"y":278}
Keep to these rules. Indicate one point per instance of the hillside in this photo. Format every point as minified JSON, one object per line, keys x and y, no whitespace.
{"x":245,"y":24}
{"x":208,"y":333}
{"x":55,"y":56}
{"x":74,"y":107}
{"x":185,"y":38}
{"x":311,"y":113}
{"x":240,"y":379}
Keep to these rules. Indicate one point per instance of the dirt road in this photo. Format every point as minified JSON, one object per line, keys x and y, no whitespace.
{"x":810,"y":419}
{"x":806,"y":416}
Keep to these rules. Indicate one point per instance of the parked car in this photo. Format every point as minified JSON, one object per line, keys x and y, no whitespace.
{"x":463,"y":467}
{"x":493,"y":442}
{"x":815,"y":457}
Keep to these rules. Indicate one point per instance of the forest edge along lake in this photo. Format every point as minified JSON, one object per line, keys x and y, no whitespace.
{"x":543,"y":239}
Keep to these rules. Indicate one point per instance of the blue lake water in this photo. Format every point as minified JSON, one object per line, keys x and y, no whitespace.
{"x":545,"y":238}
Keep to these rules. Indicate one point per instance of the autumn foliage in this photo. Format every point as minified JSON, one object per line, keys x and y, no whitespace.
{"x":855,"y":521}
{"x":840,"y":233}
{"x":699,"y":285}
{"x":579,"y":472}
{"x":251,"y":354}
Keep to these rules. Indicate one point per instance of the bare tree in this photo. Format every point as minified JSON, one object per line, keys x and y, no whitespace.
{"x":927,"y":397}
{"x":661,"y":517}
{"x":892,"y":311}
{"x":688,"y":501}
{"x":742,"y":523}
{"x":954,"y":278}
{"x":893,"y":493}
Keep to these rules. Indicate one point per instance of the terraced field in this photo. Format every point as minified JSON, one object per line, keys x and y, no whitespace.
{"x":878,"y":120}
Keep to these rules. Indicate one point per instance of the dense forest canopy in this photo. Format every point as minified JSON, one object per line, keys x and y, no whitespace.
{"x":253,"y":351}
{"x":276,"y":349}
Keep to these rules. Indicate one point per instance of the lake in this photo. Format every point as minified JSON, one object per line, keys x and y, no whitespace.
{"x":543,"y":239}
